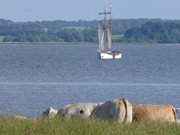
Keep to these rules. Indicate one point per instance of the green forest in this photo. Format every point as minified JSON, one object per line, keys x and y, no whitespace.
{"x":124,"y":30}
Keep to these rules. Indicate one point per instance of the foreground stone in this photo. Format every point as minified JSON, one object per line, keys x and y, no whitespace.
{"x":79,"y":110}
{"x":119,"y":110}
{"x":162,"y":113}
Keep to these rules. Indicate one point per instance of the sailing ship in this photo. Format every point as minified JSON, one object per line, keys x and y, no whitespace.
{"x":105,"y":38}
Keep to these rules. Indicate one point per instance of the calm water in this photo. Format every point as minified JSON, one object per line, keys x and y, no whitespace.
{"x":34,"y":77}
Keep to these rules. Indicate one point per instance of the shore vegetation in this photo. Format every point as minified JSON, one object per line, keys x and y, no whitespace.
{"x":10,"y":126}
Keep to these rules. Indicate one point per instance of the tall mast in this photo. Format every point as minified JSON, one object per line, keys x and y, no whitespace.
{"x":110,"y":26}
{"x":105,"y":30}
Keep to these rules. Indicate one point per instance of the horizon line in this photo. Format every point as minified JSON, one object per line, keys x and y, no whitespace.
{"x":88,"y":20}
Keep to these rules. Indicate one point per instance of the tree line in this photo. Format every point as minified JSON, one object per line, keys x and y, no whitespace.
{"x":159,"y":32}
{"x":127,"y":30}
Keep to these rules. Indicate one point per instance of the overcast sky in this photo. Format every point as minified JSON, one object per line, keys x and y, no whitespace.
{"x":34,"y":10}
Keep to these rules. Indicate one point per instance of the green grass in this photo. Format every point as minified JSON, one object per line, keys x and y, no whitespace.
{"x":9,"y":126}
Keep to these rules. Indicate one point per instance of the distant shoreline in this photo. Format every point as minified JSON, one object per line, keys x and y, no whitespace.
{"x":123,"y":31}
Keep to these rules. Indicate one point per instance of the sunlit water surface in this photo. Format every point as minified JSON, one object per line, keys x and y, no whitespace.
{"x":36,"y":76}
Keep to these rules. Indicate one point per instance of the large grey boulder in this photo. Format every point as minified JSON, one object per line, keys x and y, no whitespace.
{"x":79,"y":110}
{"x":154,"y":112}
{"x":119,"y":110}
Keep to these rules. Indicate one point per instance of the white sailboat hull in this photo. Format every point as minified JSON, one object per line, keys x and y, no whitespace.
{"x":109,"y":55}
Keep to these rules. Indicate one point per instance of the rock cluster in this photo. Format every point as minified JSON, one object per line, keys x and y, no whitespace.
{"x":120,"y":110}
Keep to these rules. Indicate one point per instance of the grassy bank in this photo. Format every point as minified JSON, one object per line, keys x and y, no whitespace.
{"x":9,"y":126}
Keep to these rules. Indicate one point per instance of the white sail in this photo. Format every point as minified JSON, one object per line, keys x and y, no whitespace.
{"x":105,"y":36}
{"x":102,"y":42}
{"x":109,"y":37}
{"x":101,"y":38}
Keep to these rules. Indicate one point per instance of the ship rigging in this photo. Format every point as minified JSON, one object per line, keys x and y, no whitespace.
{"x":105,"y":37}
